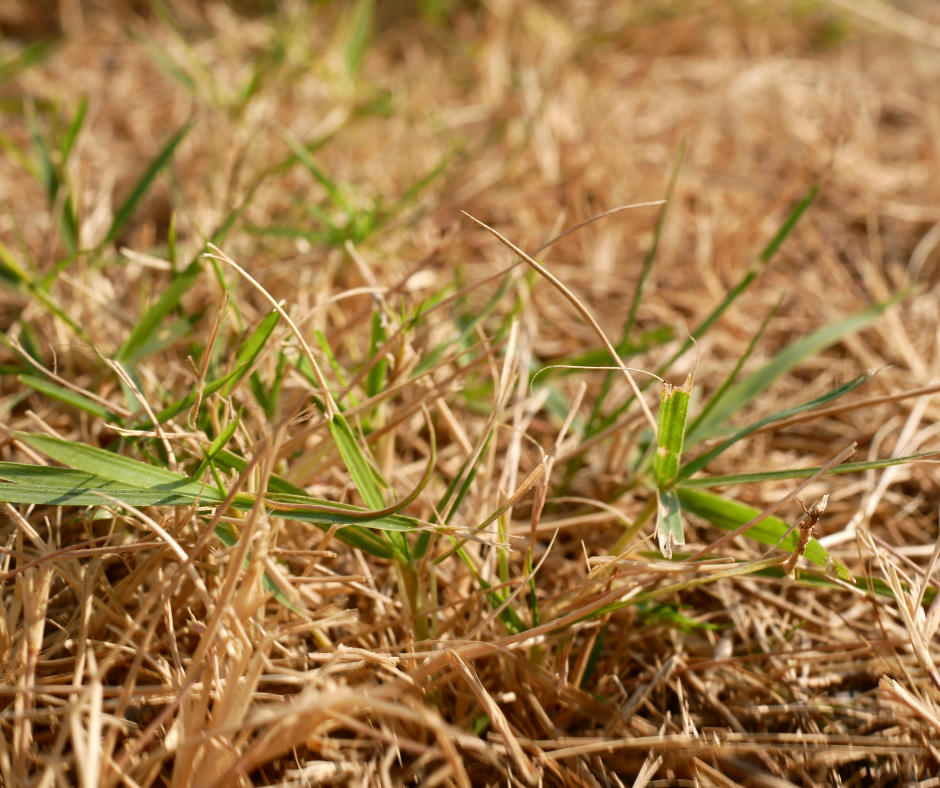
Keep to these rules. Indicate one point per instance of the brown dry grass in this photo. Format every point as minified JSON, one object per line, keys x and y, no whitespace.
{"x":117,"y":667}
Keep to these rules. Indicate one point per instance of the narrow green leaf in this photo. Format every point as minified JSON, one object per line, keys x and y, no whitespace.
{"x":733,"y":376}
{"x":753,"y":271}
{"x":306,"y":158}
{"x":132,"y":348}
{"x":216,"y":446}
{"x":360,"y":31}
{"x":250,"y":349}
{"x":125,"y":211}
{"x":745,"y":391}
{"x":11,"y":273}
{"x":650,"y":258}
{"x":359,"y":467}
{"x":29,"y":55}
{"x":72,"y":398}
{"x":700,"y":462}
{"x":799,"y":473}
{"x":71,"y":133}
{"x":376,"y":378}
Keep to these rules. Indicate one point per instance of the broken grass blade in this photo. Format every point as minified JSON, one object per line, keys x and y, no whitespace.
{"x":669,"y":528}
{"x":673,"y":412}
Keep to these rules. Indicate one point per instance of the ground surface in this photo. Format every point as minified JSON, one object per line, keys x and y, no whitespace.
{"x":152,"y":634}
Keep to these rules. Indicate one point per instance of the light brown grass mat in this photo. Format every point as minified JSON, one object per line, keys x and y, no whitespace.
{"x":310,"y":479}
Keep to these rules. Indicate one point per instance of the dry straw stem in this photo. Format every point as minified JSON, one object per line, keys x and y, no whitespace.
{"x":582,"y":310}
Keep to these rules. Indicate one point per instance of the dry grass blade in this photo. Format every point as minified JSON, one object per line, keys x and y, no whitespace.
{"x":582,"y":310}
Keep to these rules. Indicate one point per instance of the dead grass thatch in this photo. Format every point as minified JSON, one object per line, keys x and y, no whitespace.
{"x":327,"y":151}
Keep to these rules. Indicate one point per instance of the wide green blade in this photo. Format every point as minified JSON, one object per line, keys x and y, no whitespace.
{"x":114,"y":467}
{"x":731,"y":515}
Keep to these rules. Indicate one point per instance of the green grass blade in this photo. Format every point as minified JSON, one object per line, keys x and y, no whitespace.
{"x":744,"y":392}
{"x":216,"y":446}
{"x":306,"y":158}
{"x":731,"y":515}
{"x":71,"y":133}
{"x":11,"y":273}
{"x":359,"y":467}
{"x":72,"y":398}
{"x":730,"y":380}
{"x":799,"y":473}
{"x":29,"y":55}
{"x":360,"y":30}
{"x":133,"y":346}
{"x":753,"y":271}
{"x":123,"y":214}
{"x":114,"y":467}
{"x":648,"y":262}
{"x":700,"y":462}
{"x":375,"y":381}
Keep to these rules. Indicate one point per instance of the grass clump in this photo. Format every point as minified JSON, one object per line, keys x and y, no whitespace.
{"x":310,"y":479}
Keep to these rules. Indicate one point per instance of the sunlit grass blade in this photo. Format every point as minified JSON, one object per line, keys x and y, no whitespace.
{"x":800,"y":473}
{"x":123,"y":214}
{"x":71,"y":133}
{"x":730,"y":515}
{"x":359,"y":32}
{"x":306,"y":158}
{"x":700,"y":462}
{"x":754,"y":270}
{"x":744,"y":392}
{"x":376,"y":378}
{"x":115,"y":467}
